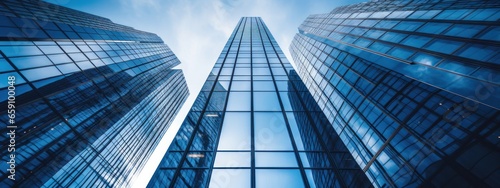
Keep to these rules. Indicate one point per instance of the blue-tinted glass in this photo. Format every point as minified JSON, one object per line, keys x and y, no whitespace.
{"x":275,"y":159}
{"x":458,"y":67}
{"x":444,"y":46}
{"x":40,"y":73}
{"x":271,"y":178}
{"x":240,"y":86}
{"x":480,"y":52}
{"x":30,"y":61}
{"x":238,"y":101}
{"x":11,"y":51}
{"x":271,"y":132}
{"x":492,"y":34}
{"x":401,"y":53}
{"x":266,"y":101}
{"x":235,"y":134}
{"x":462,"y":30}
{"x":232,"y":159}
{"x":230,"y":178}
{"x":416,"y":41}
{"x":425,"y":59}
{"x":408,"y":25}
{"x":434,"y":28}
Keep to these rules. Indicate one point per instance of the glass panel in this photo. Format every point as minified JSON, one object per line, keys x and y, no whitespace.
{"x":40,"y":73}
{"x":434,"y":28}
{"x":416,"y":41}
{"x":232,"y":159}
{"x":492,"y":34}
{"x":30,"y":61}
{"x":273,"y":178}
{"x":266,"y":101}
{"x":239,"y":101}
{"x":275,"y":159}
{"x":463,"y":30}
{"x":235,"y":134}
{"x":240,"y":86}
{"x":444,"y":46}
{"x":229,"y":178}
{"x":263,"y":86}
{"x":271,"y":132}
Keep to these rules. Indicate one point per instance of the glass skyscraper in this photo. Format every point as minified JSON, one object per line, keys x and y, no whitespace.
{"x":92,"y":98}
{"x":410,"y":87}
{"x":254,"y":124}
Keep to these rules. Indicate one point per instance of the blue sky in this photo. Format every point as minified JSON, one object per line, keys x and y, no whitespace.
{"x":197,"y":30}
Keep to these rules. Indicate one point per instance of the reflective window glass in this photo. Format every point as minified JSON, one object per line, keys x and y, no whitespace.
{"x":232,"y":159}
{"x":235,"y":134}
{"x":271,"y":132}
{"x":222,"y":178}
{"x":266,"y":101}
{"x":238,"y":101}
{"x":275,"y":159}
{"x":273,"y":178}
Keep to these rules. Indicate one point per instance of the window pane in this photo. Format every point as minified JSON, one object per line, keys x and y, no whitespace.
{"x":271,"y":132}
{"x":40,"y":73}
{"x":263,"y":86}
{"x":275,"y":159}
{"x":273,"y":178}
{"x":222,"y":178}
{"x":444,"y":46}
{"x":240,"y":86}
{"x":266,"y":101}
{"x":232,"y":159}
{"x":239,"y":101}
{"x":235,"y":134}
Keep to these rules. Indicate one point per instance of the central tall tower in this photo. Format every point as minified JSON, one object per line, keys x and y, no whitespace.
{"x":254,"y":124}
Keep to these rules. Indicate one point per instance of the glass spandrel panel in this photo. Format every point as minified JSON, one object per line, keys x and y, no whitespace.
{"x":273,"y":178}
{"x":235,"y":134}
{"x":271,"y":132}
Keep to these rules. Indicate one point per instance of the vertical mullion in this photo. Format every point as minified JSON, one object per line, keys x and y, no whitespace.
{"x":252,"y":126}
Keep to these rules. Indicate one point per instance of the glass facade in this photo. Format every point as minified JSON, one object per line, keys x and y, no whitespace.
{"x":92,"y":98}
{"x":254,"y":124}
{"x":411,"y":88}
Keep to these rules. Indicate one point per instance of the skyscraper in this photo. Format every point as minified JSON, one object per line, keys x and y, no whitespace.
{"x":411,"y":87}
{"x":92,"y":98}
{"x":253,"y":125}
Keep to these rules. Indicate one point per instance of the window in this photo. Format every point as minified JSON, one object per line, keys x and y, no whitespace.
{"x":40,"y":73}
{"x":275,"y":159}
{"x":273,"y":178}
{"x":434,"y":28}
{"x":30,"y":61}
{"x":492,"y":34}
{"x":463,"y":30}
{"x":408,"y":25}
{"x":416,"y":41}
{"x":230,"y":178}
{"x":401,"y":53}
{"x":238,"y":101}
{"x":491,"y":14}
{"x":271,"y":132}
{"x":444,"y":46}
{"x":235,"y":133}
{"x":266,"y":101}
